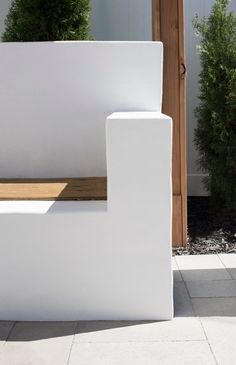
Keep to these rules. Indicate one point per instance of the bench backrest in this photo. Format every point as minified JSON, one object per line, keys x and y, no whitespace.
{"x":55,"y":98}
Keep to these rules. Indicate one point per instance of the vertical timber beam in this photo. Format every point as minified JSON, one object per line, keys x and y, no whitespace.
{"x":168,"y":26}
{"x":156,"y":20}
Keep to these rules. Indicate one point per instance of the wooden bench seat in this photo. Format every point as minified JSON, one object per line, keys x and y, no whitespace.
{"x":54,"y":189}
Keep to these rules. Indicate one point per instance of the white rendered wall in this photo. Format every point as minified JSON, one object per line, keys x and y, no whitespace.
{"x":97,"y":260}
{"x":131,"y":20}
{"x":55,"y":97}
{"x":86,"y":260}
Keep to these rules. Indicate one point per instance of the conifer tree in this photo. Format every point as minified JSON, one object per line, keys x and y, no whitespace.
{"x":215,"y":135}
{"x":47,"y":20}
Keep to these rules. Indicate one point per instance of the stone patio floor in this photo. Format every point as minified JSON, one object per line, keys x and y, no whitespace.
{"x":203,"y":331}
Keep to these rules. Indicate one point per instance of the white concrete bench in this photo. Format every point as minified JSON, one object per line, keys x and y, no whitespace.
{"x":78,"y":109}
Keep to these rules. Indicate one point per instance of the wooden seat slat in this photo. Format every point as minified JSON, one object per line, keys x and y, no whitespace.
{"x":94,"y":188}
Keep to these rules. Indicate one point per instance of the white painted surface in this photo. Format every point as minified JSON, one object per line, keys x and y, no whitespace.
{"x":86,"y":260}
{"x":131,"y":20}
{"x":127,"y":20}
{"x":55,"y":99}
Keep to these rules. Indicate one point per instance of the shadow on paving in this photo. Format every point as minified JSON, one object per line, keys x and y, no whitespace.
{"x":184,"y":308}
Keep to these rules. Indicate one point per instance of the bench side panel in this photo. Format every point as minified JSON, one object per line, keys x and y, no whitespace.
{"x":55,"y":98}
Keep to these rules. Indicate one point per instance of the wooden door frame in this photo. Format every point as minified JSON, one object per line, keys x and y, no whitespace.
{"x":168,"y":26}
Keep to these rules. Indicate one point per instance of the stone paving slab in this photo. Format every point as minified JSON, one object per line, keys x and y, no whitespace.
{"x":232,"y":272}
{"x":176,"y":273}
{"x":38,"y":343}
{"x":182,"y":302}
{"x":210,"y":307}
{"x":229,"y":261}
{"x":184,"y":327}
{"x":221,"y":333}
{"x":202,"y":267}
{"x":212,"y":289}
{"x":164,"y":353}
{"x":5,"y":329}
{"x":180,"y":329}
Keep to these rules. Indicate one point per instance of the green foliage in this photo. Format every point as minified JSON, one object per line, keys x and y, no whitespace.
{"x":47,"y":20}
{"x":215,"y":135}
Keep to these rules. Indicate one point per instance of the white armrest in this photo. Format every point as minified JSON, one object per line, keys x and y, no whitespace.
{"x":139,"y":160}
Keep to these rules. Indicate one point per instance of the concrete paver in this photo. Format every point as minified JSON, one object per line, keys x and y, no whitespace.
{"x":182,"y":302}
{"x":212,"y":289}
{"x":176,"y":272}
{"x":180,"y":329}
{"x":221,"y":333}
{"x":5,"y":329}
{"x":202,"y":267}
{"x":38,"y":343}
{"x":162,"y":353}
{"x":229,"y":261}
{"x":210,"y":307}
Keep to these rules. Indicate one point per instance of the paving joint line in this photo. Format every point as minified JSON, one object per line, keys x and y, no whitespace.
{"x":200,"y":321}
{"x":72,"y":342}
{"x":178,"y":269}
{"x":139,"y":342}
{"x":226,"y":268}
{"x":10,"y":332}
{"x":215,"y":297}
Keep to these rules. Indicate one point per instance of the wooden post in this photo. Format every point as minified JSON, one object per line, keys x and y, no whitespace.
{"x":168,"y":26}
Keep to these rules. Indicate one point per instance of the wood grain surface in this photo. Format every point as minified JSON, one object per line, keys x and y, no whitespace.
{"x":54,"y":189}
{"x":168,"y":26}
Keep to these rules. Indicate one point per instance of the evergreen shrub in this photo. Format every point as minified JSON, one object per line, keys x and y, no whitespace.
{"x":215,"y":135}
{"x":47,"y":20}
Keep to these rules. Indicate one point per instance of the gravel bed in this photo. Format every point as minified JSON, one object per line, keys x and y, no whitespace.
{"x":208,"y":232}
